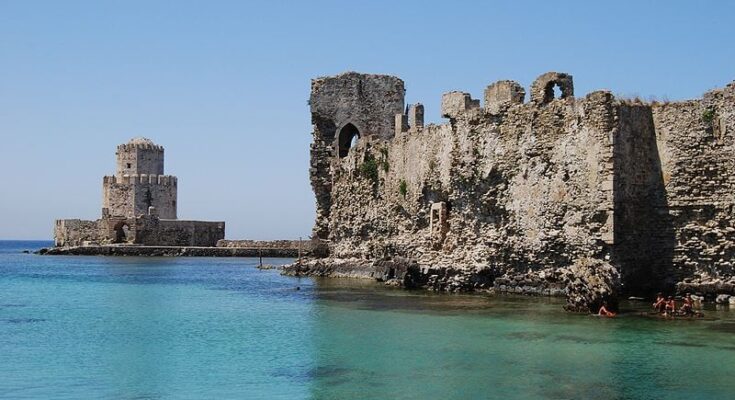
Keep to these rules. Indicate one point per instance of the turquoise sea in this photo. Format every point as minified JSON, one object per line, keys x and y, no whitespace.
{"x":205,"y":328}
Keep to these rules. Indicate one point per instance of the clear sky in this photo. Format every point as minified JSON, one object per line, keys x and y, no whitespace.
{"x":223,"y":85}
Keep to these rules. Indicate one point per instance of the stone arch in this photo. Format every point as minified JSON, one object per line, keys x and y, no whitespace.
{"x":542,"y":89}
{"x":122,"y":232}
{"x":348,"y":136}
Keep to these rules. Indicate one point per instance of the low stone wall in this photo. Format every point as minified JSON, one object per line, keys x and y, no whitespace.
{"x":167,"y":251}
{"x":75,"y":232}
{"x":304,"y":245}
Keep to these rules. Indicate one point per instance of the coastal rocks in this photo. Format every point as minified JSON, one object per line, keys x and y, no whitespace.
{"x":547,"y":282}
{"x":398,"y":272}
{"x":723,"y":299}
{"x":708,"y":286}
{"x":590,"y":283}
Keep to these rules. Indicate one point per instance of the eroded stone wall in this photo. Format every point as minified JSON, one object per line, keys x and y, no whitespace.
{"x":519,"y":193}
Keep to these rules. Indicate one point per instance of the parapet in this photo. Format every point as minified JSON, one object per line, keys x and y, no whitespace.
{"x":412,"y":120}
{"x":456,"y":103}
{"x":150,"y":179}
{"x":139,"y":142}
{"x":542,"y":89}
{"x":500,"y":95}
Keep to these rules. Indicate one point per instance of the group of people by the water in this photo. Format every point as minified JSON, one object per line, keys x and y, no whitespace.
{"x":665,"y":306}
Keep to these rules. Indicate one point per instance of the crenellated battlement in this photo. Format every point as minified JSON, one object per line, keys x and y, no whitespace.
{"x":131,"y":147}
{"x":139,"y":143}
{"x":150,"y":179}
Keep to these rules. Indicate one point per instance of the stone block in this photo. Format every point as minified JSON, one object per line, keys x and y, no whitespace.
{"x":500,"y":95}
{"x":401,"y":123}
{"x":416,"y":116}
{"x":455,"y":104}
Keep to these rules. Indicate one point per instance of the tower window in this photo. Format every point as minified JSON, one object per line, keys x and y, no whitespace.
{"x":130,"y":165}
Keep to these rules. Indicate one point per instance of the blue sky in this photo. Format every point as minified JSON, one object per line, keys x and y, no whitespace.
{"x":223,"y":85}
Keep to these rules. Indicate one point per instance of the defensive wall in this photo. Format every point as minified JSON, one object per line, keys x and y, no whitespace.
{"x":524,"y":196}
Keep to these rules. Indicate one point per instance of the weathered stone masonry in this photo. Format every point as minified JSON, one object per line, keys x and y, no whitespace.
{"x":556,"y":195}
{"x":138,"y":207}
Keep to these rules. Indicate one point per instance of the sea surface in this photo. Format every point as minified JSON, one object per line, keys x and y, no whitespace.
{"x":219,"y":328}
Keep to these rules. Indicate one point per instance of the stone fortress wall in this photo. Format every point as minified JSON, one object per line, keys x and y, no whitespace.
{"x":138,"y":207}
{"x":547,"y":196}
{"x":133,"y":194}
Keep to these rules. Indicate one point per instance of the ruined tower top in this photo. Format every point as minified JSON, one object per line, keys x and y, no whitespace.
{"x":139,"y":156}
{"x":352,"y":106}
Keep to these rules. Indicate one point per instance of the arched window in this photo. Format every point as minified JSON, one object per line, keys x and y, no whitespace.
{"x":348,"y":137}
{"x":553,"y":91}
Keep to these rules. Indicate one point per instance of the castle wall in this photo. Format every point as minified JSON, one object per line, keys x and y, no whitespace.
{"x":515,"y":194}
{"x":131,"y":195}
{"x":696,"y":147}
{"x":644,"y":238}
{"x":75,"y":232}
{"x":180,"y":233}
{"x":144,"y":230}
{"x":532,"y":189}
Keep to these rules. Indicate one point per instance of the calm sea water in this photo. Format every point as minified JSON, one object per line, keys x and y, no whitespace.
{"x":193,"y":328}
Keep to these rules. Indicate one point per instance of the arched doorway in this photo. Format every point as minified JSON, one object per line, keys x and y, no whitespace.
{"x":121,"y":232}
{"x":348,"y":137}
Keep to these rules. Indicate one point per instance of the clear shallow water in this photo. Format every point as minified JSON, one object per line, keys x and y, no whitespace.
{"x":160,"y":328}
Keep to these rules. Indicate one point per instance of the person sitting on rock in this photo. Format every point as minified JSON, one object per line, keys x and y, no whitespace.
{"x":604,"y":312}
{"x":660,"y":304}
{"x":686,"y":308}
{"x":670,"y":306}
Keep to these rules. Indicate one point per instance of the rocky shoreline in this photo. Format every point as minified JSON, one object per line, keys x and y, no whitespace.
{"x":585,"y":285}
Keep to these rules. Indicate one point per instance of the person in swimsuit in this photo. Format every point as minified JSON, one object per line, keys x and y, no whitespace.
{"x":687,"y":307}
{"x":670,"y":306}
{"x":660,"y":304}
{"x":604,"y":312}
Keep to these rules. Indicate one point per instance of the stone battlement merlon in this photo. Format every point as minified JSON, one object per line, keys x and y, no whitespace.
{"x":144,"y":146}
{"x":151,"y":179}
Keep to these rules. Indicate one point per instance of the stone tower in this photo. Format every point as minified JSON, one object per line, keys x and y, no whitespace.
{"x":139,"y":186}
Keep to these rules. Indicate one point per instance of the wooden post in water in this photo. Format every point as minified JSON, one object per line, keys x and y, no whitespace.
{"x":260,"y":256}
{"x":299,"y":250}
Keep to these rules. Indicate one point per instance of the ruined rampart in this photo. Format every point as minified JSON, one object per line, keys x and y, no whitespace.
{"x":533,"y":197}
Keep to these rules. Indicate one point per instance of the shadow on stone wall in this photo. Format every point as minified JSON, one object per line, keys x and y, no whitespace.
{"x":644,"y":234}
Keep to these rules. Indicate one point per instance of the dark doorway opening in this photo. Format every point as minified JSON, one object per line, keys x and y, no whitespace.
{"x":121,"y":232}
